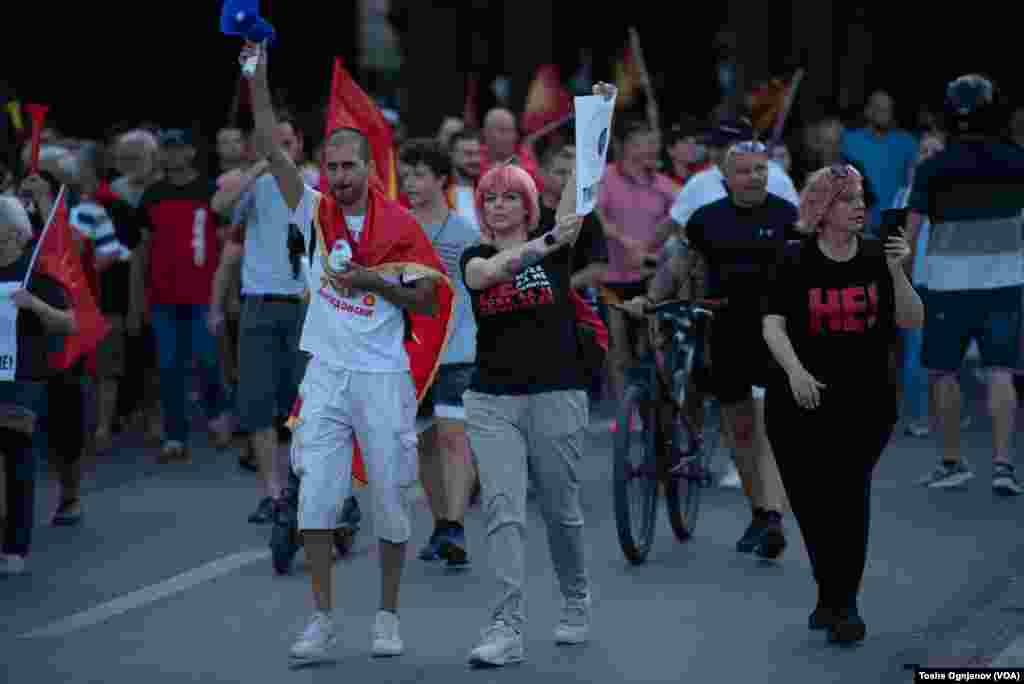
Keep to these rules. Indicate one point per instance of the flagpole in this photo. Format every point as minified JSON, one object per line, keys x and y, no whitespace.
{"x":780,"y":123}
{"x":42,"y":236}
{"x":652,"y":103}
{"x":541,"y":132}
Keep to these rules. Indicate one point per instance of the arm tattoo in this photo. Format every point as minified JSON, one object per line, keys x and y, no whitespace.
{"x":516,"y":265}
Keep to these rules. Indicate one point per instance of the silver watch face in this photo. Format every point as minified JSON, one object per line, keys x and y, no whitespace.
{"x":340,"y":256}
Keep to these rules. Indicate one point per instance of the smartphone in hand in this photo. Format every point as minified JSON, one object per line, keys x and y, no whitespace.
{"x":893,"y":221}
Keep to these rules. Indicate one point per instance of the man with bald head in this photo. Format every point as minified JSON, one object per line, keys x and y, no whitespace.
{"x":501,"y":143}
{"x":731,"y":251}
{"x":885,"y":154}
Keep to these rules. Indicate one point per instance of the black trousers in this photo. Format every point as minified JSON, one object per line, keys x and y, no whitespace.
{"x":826,"y":459}
{"x":65,"y":416}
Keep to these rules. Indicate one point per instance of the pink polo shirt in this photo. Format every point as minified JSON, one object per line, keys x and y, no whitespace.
{"x":636,"y":207}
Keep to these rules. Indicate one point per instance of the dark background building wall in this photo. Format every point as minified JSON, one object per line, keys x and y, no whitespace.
{"x":97,"y":66}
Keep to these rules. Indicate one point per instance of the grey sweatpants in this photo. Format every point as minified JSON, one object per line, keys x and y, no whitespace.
{"x":540,"y":436}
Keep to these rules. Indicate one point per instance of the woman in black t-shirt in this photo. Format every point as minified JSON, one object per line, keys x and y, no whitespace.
{"x":526,"y":408}
{"x":34,"y":317}
{"x":829,"y":322}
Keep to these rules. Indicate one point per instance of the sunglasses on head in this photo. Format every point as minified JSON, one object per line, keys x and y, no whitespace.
{"x":750,"y":147}
{"x":843,"y":171}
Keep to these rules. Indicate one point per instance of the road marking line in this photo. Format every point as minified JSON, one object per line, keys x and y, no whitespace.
{"x":147,"y":595}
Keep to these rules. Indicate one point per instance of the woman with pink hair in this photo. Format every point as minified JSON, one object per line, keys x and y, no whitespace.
{"x":829,"y":322}
{"x":526,"y":407}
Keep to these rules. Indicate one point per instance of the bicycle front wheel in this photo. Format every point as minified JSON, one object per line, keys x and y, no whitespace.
{"x":635,"y":474}
{"x":683,"y":488}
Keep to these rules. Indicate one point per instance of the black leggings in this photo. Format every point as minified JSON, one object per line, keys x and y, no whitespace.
{"x":826,"y":459}
{"x":66,"y":415}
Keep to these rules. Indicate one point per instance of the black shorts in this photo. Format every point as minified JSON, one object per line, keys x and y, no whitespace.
{"x":740,"y":358}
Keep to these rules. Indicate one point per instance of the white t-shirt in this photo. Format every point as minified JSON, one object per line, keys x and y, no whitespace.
{"x":709,"y":186}
{"x":465,"y":205}
{"x":361,"y":332}
{"x":266,"y":266}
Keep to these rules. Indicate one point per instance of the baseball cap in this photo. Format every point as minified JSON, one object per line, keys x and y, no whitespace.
{"x":175,"y":136}
{"x":729,"y":132}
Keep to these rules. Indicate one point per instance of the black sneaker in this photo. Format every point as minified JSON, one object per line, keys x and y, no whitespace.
{"x":752,"y":537}
{"x":773,"y":540}
{"x":431,"y":550}
{"x":264,"y":512}
{"x":284,"y":535}
{"x":821,"y":618}
{"x":452,"y":548}
{"x":847,"y":629}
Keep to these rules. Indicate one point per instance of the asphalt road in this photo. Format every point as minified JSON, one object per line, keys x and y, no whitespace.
{"x":165,"y":581}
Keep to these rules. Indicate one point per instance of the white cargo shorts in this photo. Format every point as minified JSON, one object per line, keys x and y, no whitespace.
{"x":377,"y":409}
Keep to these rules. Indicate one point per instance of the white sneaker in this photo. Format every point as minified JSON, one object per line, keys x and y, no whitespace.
{"x":11,"y":564}
{"x":316,"y":641}
{"x":575,"y":622}
{"x":501,"y":645}
{"x":947,"y":475}
{"x":1004,"y":481}
{"x":918,"y":428}
{"x":386,"y":641}
{"x":731,"y":479}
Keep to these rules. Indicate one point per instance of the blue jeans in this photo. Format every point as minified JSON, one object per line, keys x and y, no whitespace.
{"x":181,"y":334}
{"x":915,"y":377}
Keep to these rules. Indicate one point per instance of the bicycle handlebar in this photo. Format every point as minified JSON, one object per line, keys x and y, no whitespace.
{"x":708,"y":305}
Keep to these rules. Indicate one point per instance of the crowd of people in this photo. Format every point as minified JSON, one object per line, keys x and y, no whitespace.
{"x":278,"y":304}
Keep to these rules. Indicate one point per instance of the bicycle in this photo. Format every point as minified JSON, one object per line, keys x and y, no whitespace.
{"x":679,"y":461}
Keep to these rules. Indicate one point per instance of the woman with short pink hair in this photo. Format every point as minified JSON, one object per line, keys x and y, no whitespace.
{"x":526,"y":407}
{"x":829,"y":323}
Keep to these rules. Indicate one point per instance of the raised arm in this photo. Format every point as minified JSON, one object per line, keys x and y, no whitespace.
{"x":483,"y":273}
{"x":289,"y":178}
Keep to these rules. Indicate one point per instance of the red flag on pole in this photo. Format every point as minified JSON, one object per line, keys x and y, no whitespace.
{"x":38,"y":115}
{"x":351,"y":107}
{"x":547,"y":100}
{"x":57,"y":256}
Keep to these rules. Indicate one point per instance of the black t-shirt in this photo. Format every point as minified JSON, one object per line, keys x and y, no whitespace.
{"x":741,"y":245}
{"x":34,"y":343}
{"x":839,"y":318}
{"x":590,"y":247}
{"x":526,"y":329}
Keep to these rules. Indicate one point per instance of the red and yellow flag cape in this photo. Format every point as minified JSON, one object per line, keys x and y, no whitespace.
{"x":392,"y":242}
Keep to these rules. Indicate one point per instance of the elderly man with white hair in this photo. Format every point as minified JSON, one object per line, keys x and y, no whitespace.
{"x":31,"y":319}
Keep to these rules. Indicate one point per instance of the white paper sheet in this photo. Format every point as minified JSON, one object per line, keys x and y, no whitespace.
{"x":593,"y":136}
{"x":8,"y":332}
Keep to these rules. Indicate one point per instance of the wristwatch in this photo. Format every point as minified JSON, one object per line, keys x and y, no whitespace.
{"x":549,"y":239}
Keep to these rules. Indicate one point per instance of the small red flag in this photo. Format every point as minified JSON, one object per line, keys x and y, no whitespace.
{"x":58,"y":258}
{"x":547,"y":100}
{"x":351,"y":107}
{"x":38,"y":114}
